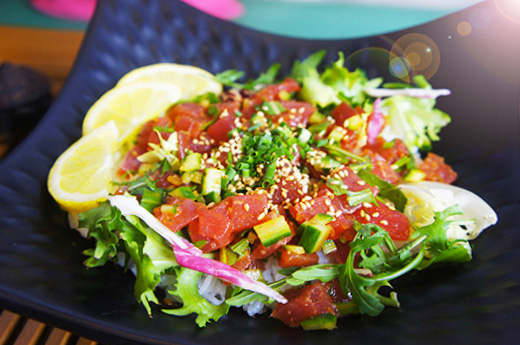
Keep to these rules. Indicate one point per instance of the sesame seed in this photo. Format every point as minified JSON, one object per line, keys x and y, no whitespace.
{"x":367,"y":204}
{"x":375,"y":214}
{"x":361,"y":182}
{"x":246,"y":207}
{"x":384,"y":222}
{"x":261,"y":216}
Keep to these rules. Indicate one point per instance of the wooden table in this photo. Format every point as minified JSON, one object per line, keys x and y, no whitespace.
{"x":51,"y":52}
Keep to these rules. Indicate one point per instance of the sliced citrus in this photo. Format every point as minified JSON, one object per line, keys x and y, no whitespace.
{"x":192,"y":81}
{"x":82,"y":175}
{"x":129,"y":106}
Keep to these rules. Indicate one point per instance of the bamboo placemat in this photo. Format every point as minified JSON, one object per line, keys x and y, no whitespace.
{"x":18,"y":330}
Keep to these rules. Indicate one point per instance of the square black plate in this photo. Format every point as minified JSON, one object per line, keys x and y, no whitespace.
{"x":41,"y":271}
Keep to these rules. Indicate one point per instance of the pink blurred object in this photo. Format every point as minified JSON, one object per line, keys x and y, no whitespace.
{"x":224,"y":9}
{"x":68,"y":9}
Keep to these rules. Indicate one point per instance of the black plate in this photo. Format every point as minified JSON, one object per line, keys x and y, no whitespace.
{"x":41,"y":271}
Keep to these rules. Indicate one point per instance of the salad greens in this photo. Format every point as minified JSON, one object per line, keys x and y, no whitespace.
{"x":128,"y":228}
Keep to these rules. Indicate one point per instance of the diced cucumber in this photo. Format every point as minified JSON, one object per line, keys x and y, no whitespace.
{"x":323,"y":321}
{"x":240,"y":247}
{"x":191,"y":162}
{"x":347,"y":308}
{"x":272,"y":231}
{"x":327,"y":163}
{"x":272,"y":108}
{"x":211,"y":181}
{"x":329,"y":246}
{"x":227,"y":256}
{"x":414,"y":175}
{"x":192,"y":176}
{"x":319,"y":127}
{"x":304,"y":135}
{"x":354,"y":122}
{"x":321,"y":218}
{"x":183,"y":192}
{"x":255,"y":273}
{"x":317,"y":117}
{"x":337,"y":134}
{"x":315,"y":232}
{"x":259,"y":120}
{"x":294,"y":249}
{"x":212,"y":197}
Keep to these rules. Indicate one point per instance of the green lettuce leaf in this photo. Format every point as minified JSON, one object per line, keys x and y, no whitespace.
{"x":187,"y":290}
{"x":114,"y":233}
{"x":415,"y":120}
{"x":334,"y":85}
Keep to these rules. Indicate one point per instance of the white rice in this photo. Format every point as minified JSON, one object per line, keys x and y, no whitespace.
{"x":212,"y":289}
{"x":253,"y":308}
{"x":271,"y":271}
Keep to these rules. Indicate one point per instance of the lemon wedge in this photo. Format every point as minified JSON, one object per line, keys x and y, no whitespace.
{"x":192,"y":81}
{"x":129,"y":106}
{"x":81,"y":177}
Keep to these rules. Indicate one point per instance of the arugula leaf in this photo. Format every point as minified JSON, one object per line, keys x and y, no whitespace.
{"x":187,"y":290}
{"x":386,"y":189}
{"x":354,"y":198}
{"x":297,"y":277}
{"x":230,"y":78}
{"x":439,"y":248}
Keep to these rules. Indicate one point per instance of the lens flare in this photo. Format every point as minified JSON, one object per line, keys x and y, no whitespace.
{"x":510,"y":9}
{"x":373,"y":60}
{"x":414,"y":54}
{"x":464,"y":28}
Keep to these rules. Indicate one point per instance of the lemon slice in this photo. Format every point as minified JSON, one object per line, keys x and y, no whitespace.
{"x":80,"y":178}
{"x":130,"y":106}
{"x":192,"y":81}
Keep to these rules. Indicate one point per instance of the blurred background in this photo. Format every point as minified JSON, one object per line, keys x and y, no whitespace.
{"x":39,"y":39}
{"x":296,"y":18}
